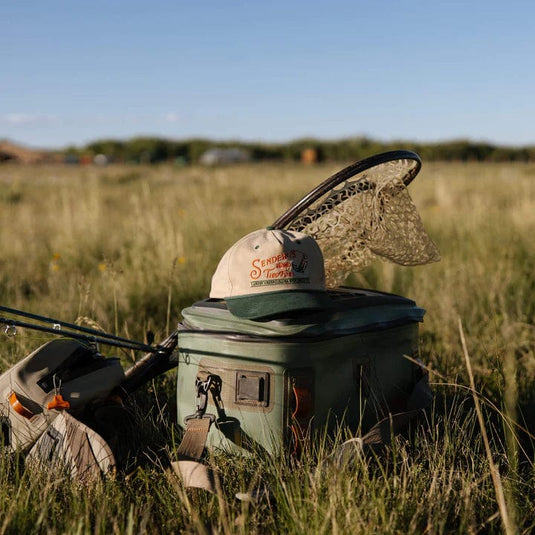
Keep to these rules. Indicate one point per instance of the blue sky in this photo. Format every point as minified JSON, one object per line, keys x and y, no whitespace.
{"x":74,"y":71}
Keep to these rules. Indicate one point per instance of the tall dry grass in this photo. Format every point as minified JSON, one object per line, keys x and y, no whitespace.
{"x":129,"y":247}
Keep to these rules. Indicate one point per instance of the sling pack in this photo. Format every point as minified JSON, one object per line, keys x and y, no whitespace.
{"x":61,"y":374}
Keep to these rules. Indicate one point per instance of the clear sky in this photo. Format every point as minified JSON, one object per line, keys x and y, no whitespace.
{"x":274,"y":70}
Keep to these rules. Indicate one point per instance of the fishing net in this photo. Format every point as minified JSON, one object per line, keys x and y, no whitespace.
{"x":366,"y":217}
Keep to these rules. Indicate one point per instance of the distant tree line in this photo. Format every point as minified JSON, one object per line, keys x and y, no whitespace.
{"x":156,"y":150}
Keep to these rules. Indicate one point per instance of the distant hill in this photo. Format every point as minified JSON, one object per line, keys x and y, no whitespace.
{"x":11,"y":152}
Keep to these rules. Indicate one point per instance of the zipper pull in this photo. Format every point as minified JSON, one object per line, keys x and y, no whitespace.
{"x":57,"y":402}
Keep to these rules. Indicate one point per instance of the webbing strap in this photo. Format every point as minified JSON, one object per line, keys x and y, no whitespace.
{"x":194,"y":438}
{"x":195,"y":474}
{"x":77,"y":443}
{"x":420,"y":398}
{"x":188,"y":468}
{"x":71,"y":445}
{"x":383,"y":431}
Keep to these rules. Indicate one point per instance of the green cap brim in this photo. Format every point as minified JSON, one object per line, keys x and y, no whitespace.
{"x":257,"y":306}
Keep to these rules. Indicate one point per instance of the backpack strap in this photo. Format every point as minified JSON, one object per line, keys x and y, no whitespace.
{"x":69,"y":445}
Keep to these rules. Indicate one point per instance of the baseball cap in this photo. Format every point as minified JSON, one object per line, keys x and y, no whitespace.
{"x":271,"y":272}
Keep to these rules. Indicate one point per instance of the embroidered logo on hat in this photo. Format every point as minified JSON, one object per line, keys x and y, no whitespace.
{"x":269,"y":272}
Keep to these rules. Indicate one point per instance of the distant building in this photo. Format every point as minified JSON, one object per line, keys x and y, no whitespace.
{"x":101,"y":160}
{"x":309,"y":156}
{"x":220,"y":156}
{"x":71,"y":159}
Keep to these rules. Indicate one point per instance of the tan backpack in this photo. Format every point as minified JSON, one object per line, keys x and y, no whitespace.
{"x":63,"y":374}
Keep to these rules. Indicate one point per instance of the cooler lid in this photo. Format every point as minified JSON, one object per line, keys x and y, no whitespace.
{"x":355,"y":310}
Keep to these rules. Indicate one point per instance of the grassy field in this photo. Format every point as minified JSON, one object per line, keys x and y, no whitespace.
{"x":126,"y":248}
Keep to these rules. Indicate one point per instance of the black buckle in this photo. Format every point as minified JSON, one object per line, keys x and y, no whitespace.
{"x":213,"y":382}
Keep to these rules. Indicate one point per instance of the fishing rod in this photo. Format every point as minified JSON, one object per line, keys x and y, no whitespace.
{"x":157,"y":359}
{"x":59,"y":326}
{"x":150,"y":366}
{"x":11,"y":325}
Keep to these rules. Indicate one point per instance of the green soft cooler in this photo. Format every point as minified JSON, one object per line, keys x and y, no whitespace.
{"x":289,"y":378}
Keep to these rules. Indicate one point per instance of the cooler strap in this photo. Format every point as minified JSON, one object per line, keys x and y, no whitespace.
{"x":191,"y":471}
{"x":188,"y":468}
{"x":382,"y":432}
{"x":420,"y":398}
{"x":194,"y":439}
{"x":195,"y":474}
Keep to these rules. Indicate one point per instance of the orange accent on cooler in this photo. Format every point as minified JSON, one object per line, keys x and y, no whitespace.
{"x":304,"y":402}
{"x":301,"y":407}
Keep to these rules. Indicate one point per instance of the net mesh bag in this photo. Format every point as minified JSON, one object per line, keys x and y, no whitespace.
{"x":370,"y":216}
